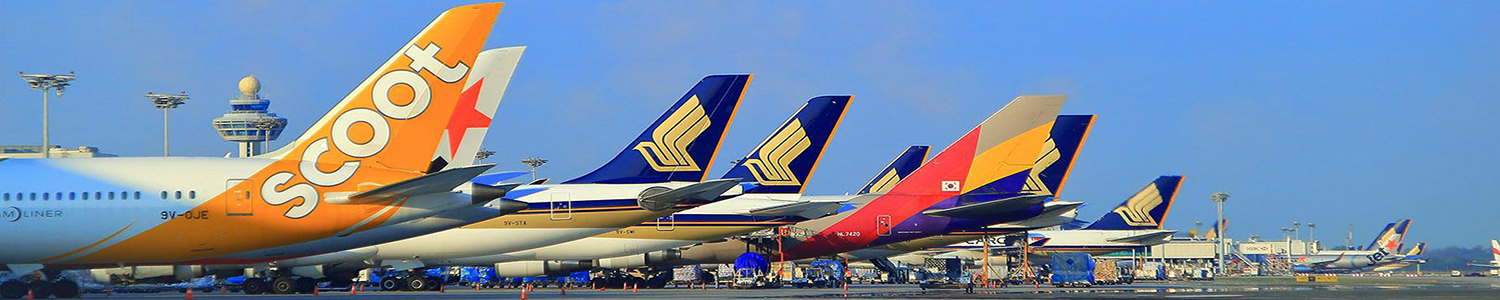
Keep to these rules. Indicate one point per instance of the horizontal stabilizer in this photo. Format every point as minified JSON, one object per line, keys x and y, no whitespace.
{"x":807,"y":209}
{"x":497,"y":178}
{"x":440,"y":182}
{"x":702,"y":191}
{"x":539,"y":181}
{"x":1053,"y":214}
{"x":989,"y":208}
{"x":486,"y":192}
{"x":1145,"y":237}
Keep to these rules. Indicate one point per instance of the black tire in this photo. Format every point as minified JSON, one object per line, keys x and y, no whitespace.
{"x":391,"y":284}
{"x":40,"y":289}
{"x":254,"y":286}
{"x":283,"y":285}
{"x":416,"y":284}
{"x":434,"y":284}
{"x":306,"y":285}
{"x":12,"y":289}
{"x":65,"y":289}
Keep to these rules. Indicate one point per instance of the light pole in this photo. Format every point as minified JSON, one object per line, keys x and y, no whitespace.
{"x":166,"y":103}
{"x":483,"y":154}
{"x":1349,"y":241}
{"x":533,"y":162}
{"x":45,"y":82}
{"x":1311,"y":236}
{"x":1219,"y":248}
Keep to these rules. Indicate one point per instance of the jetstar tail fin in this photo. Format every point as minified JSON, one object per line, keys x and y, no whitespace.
{"x":784,"y":161}
{"x":1147,"y":209}
{"x":681,"y":144}
{"x":899,"y":168}
{"x":482,"y":91}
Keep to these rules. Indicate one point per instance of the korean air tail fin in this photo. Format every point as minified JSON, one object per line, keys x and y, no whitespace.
{"x":1147,"y":209}
{"x":899,"y":168}
{"x":681,"y":144}
{"x":397,"y":117}
{"x":784,"y":161}
{"x":1059,"y":153}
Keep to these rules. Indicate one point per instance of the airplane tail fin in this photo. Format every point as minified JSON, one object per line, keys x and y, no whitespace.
{"x":994,"y":157}
{"x":784,"y":161}
{"x":1392,"y":236}
{"x":397,"y":117}
{"x":1213,"y":233}
{"x":1390,"y":229}
{"x":1059,"y":153}
{"x":681,"y":144}
{"x":901,"y":167}
{"x":1495,"y":250}
{"x":1147,"y":209}
{"x":1418,"y":250}
{"x":463,"y":135}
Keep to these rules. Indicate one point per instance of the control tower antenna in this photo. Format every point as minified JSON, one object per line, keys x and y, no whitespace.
{"x":248,"y":122}
{"x":166,"y":103}
{"x":46,"y":82}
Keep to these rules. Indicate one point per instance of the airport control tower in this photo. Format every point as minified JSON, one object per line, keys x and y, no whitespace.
{"x":247,"y":122}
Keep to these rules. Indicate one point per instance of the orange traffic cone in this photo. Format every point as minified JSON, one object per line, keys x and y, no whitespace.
{"x":109,"y":292}
{"x":223,"y":290}
{"x":353,"y":289}
{"x":635,"y":288}
{"x":315,"y":291}
{"x":523,"y":294}
{"x":442,"y":288}
{"x":561,"y":290}
{"x":29,"y":295}
{"x":189,"y":293}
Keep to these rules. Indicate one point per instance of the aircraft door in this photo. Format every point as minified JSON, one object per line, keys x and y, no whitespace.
{"x":237,"y":195}
{"x":562,"y":206}
{"x":883,"y":225}
{"x":667,"y":223}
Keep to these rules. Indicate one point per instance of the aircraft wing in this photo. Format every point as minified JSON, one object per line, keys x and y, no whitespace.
{"x":806,"y":209}
{"x":989,"y":208}
{"x":497,"y":178}
{"x":703,"y":191}
{"x":1145,"y":237}
{"x":439,"y":182}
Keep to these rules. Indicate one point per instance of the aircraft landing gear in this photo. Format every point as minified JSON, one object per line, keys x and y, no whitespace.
{"x":254,"y":286}
{"x":284,"y":285}
{"x":65,"y":289}
{"x":12,"y":289}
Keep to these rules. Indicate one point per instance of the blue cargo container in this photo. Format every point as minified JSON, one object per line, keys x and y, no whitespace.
{"x":1072,"y":269}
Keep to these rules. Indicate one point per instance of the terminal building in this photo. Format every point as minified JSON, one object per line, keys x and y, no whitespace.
{"x":56,"y":152}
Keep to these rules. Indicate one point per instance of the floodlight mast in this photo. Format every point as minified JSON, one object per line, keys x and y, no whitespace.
{"x":45,"y":82}
{"x":533,"y":162}
{"x":166,"y":103}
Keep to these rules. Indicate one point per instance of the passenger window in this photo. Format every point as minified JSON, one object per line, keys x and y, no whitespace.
{"x":178,"y":195}
{"x":192,"y":194}
{"x":72,"y":196}
{"x":85,"y":195}
{"x":164,"y":195}
{"x":98,"y":196}
{"x":138,"y":195}
{"x":7,"y":196}
{"x":111,"y":195}
{"x":45,"y":196}
{"x":33,"y":196}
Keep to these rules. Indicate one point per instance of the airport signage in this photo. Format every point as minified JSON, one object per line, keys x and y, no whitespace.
{"x":1255,"y":248}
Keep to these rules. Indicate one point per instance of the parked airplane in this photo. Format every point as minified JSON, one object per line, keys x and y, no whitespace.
{"x":378,"y":158}
{"x":977,"y":181}
{"x":774,"y":174}
{"x":1050,"y":174}
{"x":658,"y":173}
{"x":1135,"y":224}
{"x":1412,"y":257}
{"x":1381,"y":252}
{"x":1494,"y":258}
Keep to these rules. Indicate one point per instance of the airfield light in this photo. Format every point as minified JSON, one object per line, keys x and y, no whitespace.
{"x":166,"y":102}
{"x":483,"y":154}
{"x":45,"y":82}
{"x":533,"y":162}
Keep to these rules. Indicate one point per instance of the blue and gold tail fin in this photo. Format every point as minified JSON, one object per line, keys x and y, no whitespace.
{"x":899,"y":168}
{"x":1147,"y":209}
{"x":681,"y":144}
{"x":1058,"y":154}
{"x":784,"y":161}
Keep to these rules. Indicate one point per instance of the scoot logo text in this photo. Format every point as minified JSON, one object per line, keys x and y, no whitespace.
{"x":378,"y":122}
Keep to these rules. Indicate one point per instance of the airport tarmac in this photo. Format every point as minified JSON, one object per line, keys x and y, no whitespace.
{"x":1226,"y":288}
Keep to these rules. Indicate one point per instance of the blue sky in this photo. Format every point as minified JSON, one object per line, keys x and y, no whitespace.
{"x":1328,"y":112}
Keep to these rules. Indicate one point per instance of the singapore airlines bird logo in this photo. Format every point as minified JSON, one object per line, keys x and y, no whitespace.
{"x":667,"y":149}
{"x":772,"y":165}
{"x":1034,"y":182}
{"x":886,"y":182}
{"x":1137,"y":211}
